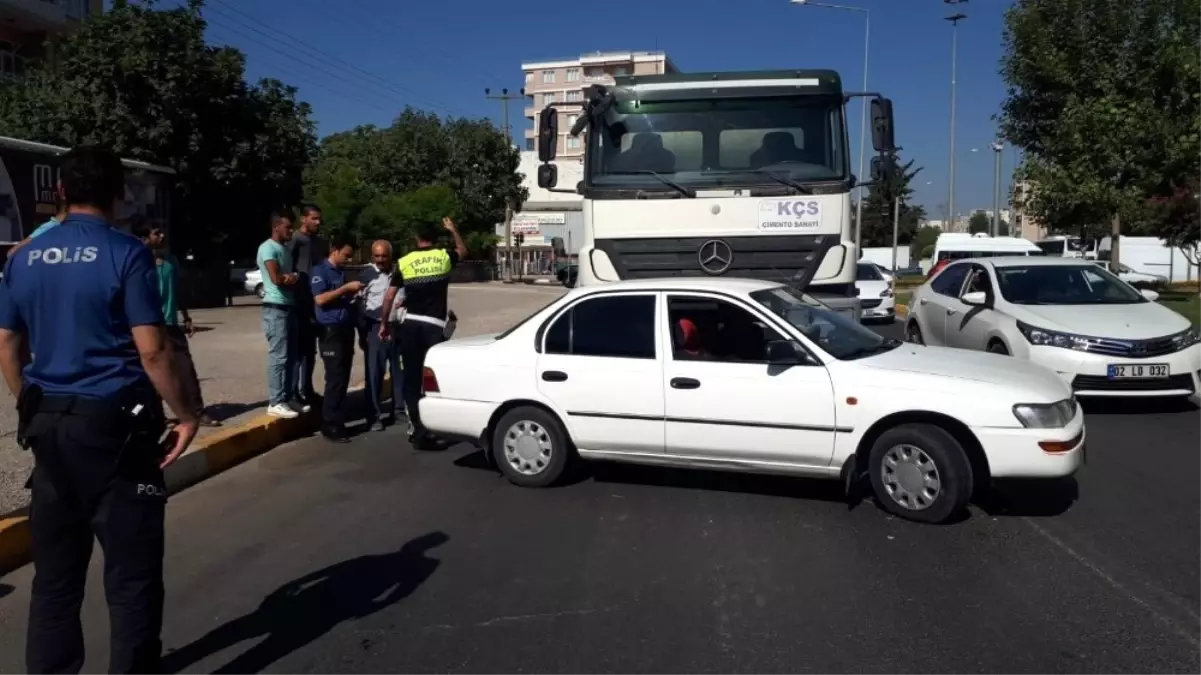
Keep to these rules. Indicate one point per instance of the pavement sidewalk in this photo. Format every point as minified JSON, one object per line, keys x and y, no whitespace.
{"x":231,"y":359}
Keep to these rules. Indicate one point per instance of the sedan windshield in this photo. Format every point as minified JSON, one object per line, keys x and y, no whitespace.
{"x":835,"y":334}
{"x":868,"y":272}
{"x":1083,"y":284}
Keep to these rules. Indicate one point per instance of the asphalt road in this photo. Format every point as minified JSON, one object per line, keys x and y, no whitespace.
{"x":372,"y":557}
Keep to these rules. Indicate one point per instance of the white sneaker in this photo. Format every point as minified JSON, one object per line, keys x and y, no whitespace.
{"x":300,"y":407}
{"x":281,"y":410}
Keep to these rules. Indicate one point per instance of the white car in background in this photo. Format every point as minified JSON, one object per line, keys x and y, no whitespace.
{"x":1098,"y":333}
{"x":1132,"y":276}
{"x":876,"y":299}
{"x":746,"y":375}
{"x":254,"y":282}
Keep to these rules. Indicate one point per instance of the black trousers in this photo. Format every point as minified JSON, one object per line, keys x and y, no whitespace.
{"x":416,"y":338}
{"x":337,"y":354}
{"x":91,"y":478}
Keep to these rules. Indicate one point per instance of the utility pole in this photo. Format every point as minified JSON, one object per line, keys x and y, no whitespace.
{"x":954,"y":19}
{"x":504,"y":99}
{"x":896,"y":222}
{"x":997,"y":147}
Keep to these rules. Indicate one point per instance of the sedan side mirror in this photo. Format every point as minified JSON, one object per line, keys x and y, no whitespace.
{"x":1150,"y":294}
{"x":784,"y":353}
{"x":975,"y":299}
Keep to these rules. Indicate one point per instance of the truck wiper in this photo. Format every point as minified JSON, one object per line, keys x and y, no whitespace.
{"x":686,"y":191}
{"x":801,"y":187}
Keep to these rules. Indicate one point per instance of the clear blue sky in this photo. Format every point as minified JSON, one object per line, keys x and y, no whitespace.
{"x":443,"y":54}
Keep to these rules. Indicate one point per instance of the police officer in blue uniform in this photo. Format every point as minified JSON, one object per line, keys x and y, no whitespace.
{"x":84,"y":299}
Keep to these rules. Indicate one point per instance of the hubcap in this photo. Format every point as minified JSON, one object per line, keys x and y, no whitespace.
{"x":528,"y":448}
{"x":915,"y":334}
{"x":910,"y":477}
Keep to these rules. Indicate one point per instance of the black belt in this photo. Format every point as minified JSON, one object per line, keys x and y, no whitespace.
{"x":79,"y":405}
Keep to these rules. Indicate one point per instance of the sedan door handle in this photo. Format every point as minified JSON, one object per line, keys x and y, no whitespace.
{"x":922,"y":301}
{"x":554,"y":376}
{"x":685,"y":383}
{"x":951,"y":311}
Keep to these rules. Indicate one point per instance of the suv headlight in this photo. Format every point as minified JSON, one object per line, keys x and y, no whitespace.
{"x":1187,"y":338}
{"x":1055,"y":415}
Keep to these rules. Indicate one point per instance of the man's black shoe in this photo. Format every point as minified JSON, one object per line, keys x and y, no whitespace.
{"x":336,"y":434}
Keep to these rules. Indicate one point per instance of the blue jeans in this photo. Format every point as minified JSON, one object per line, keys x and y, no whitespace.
{"x":279,"y":325}
{"x":382,"y":357}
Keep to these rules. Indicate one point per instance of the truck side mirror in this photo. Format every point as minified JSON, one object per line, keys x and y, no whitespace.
{"x":884,"y":168}
{"x":548,"y":135}
{"x":882,"y":126}
{"x":548,"y":176}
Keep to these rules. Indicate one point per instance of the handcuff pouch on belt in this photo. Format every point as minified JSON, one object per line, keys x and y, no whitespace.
{"x":28,"y":403}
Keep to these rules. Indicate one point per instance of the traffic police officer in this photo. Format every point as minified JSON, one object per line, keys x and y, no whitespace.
{"x":85,"y":297}
{"x":424,"y":274}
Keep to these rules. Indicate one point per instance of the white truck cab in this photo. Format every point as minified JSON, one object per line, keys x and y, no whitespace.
{"x":711,"y":174}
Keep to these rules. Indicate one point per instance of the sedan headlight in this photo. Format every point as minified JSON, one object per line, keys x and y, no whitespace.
{"x":1046,"y":415}
{"x":1187,"y":338}
{"x":1041,"y":337}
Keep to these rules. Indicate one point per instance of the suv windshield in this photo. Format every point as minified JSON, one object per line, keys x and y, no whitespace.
{"x":838,"y":336}
{"x":719,"y":142}
{"x":1083,"y":284}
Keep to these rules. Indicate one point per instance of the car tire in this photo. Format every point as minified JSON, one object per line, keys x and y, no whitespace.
{"x":260,"y":291}
{"x":913,"y":333}
{"x":998,"y":347}
{"x":907,"y":457}
{"x":531,"y":447}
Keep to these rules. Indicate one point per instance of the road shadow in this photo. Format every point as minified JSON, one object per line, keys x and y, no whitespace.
{"x":303,"y":610}
{"x":792,"y":487}
{"x":225,"y":411}
{"x":5,"y":590}
{"x":1137,"y":406}
{"x":1042,"y":498}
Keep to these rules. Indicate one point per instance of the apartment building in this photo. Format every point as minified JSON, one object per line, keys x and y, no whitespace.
{"x":564,"y":81}
{"x":26,"y":26}
{"x":1027,"y":226}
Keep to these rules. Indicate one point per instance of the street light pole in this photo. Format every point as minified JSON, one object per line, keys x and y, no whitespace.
{"x":954,"y":19}
{"x":504,"y":99}
{"x":867,"y":33}
{"x":997,"y":147}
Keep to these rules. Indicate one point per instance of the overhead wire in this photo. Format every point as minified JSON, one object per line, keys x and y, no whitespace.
{"x":226,"y":11}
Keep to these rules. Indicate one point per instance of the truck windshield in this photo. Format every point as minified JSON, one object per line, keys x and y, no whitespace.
{"x":719,"y":142}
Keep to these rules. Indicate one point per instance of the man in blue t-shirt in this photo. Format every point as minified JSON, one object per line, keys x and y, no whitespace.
{"x":280,"y":318}
{"x":85,"y":297}
{"x":41,"y":229}
{"x":333,"y":308}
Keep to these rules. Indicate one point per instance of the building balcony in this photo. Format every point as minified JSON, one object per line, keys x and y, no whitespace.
{"x":50,"y":16}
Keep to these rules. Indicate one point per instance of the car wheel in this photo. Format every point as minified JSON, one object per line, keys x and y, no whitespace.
{"x":913,"y":333}
{"x":258,"y":290}
{"x":920,"y":472}
{"x":998,"y":347}
{"x":530,"y":447}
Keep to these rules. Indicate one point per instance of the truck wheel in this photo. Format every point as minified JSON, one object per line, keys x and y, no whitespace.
{"x":530,"y":447}
{"x":920,"y":472}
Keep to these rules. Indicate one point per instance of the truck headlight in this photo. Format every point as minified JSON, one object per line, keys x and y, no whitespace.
{"x":1055,"y":415}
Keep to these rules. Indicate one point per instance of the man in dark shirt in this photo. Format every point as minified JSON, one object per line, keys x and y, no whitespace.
{"x":333,"y":299}
{"x":424,"y":274}
{"x":85,"y":298}
{"x":308,"y":250}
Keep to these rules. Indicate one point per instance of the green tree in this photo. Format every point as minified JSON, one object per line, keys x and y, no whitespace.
{"x":1104,"y":97}
{"x":379,"y":183}
{"x":144,"y":82}
{"x":923,"y":239}
{"x":878,"y":209}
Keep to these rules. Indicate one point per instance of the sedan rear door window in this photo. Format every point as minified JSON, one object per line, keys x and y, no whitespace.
{"x":619,"y":326}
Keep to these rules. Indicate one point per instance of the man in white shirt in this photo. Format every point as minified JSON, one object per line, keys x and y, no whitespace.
{"x":382,"y":355}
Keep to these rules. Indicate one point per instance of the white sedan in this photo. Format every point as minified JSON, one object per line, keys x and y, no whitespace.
{"x":752,"y":376}
{"x":253,"y":282}
{"x":1097,"y":332}
{"x":876,"y":297}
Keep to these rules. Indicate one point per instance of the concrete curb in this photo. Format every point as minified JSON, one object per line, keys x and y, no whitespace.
{"x":207,"y":457}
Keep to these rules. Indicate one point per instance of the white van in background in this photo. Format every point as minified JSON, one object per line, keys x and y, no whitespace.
{"x":1066,"y":246}
{"x":959,"y":245}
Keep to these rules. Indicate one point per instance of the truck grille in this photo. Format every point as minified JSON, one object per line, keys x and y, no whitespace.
{"x":785,"y":259}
